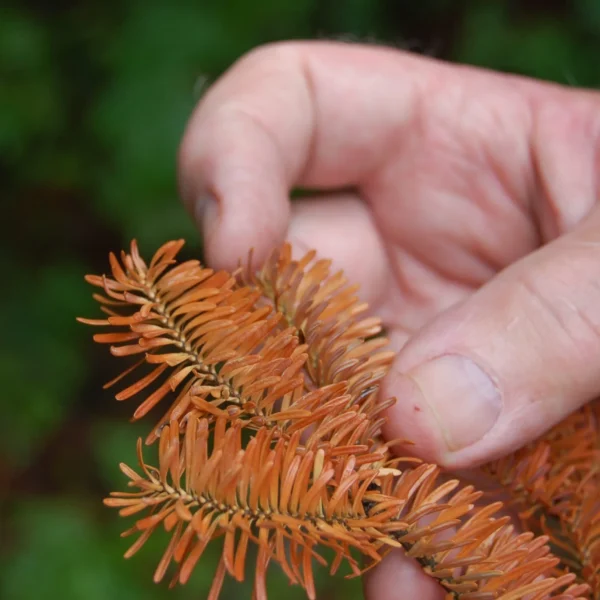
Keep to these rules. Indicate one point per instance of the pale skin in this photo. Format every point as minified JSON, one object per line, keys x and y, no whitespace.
{"x":464,"y":202}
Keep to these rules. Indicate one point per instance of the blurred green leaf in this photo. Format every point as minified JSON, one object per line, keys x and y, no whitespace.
{"x":541,"y":48}
{"x":588,"y":14}
{"x":156,"y":57}
{"x":114,"y":442}
{"x":31,"y":102}
{"x":62,"y":553}
{"x":41,"y":364}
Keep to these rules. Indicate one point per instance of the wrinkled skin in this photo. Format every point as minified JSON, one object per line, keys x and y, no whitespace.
{"x":462,"y":201}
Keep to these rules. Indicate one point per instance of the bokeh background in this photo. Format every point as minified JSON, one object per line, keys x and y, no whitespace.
{"x":94,"y":97}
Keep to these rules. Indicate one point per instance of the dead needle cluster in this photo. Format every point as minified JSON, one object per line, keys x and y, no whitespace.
{"x":271,"y":436}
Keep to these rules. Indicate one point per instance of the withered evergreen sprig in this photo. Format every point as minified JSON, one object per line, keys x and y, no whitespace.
{"x":288,"y":354}
{"x":554,"y":484}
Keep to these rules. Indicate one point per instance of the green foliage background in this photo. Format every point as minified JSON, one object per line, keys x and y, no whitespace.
{"x":94,"y":97}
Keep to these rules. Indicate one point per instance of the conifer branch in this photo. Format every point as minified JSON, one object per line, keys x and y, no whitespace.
{"x":554,"y":484}
{"x":287,"y":354}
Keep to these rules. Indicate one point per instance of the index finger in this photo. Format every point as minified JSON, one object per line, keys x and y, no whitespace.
{"x":316,"y":114}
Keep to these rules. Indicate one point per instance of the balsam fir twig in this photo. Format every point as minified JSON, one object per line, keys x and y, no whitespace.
{"x":287,"y":354}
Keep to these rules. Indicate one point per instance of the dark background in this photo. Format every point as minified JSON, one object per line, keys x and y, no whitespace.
{"x":93,"y":101}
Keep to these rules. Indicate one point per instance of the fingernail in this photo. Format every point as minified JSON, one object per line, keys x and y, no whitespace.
{"x":463,"y":398}
{"x":206,"y":213}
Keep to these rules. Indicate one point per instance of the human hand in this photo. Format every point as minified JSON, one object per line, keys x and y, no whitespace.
{"x":462,"y":201}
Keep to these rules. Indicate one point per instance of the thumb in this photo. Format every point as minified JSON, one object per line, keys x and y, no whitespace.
{"x":501,"y":368}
